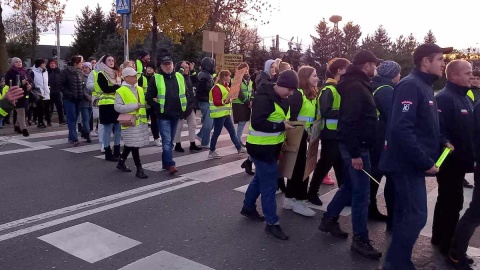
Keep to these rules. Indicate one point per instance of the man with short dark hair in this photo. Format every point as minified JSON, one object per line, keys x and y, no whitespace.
{"x":357,"y":122}
{"x":412,"y":146}
{"x":455,"y":112}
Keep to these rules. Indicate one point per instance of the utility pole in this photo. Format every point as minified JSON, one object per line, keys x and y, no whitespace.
{"x":58,"y":39}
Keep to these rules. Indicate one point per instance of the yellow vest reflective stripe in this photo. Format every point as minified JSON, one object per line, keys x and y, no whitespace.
{"x":129,"y":98}
{"x":376,"y":90}
{"x":269,"y":138}
{"x":331,"y":124}
{"x":219,"y":111}
{"x":5,"y":90}
{"x":246,"y":90}
{"x":307,"y":112}
{"x":471,"y":95}
{"x":105,"y":98}
{"x":161,"y":90}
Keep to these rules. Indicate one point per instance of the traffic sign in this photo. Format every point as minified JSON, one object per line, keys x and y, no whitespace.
{"x":124,"y":6}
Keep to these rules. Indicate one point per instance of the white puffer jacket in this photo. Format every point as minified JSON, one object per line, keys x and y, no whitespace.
{"x":40,"y":78}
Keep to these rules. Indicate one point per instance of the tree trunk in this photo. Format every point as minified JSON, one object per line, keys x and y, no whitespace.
{"x":3,"y":46}
{"x":34,"y":30}
{"x":154,"y":40}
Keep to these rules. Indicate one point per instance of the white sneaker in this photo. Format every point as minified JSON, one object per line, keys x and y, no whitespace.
{"x":288,"y":203}
{"x":93,"y":133}
{"x":301,"y":208}
{"x":213,"y":155}
{"x":242,"y":150}
{"x":205,"y":146}
{"x":102,"y":149}
{"x":158,"y":142}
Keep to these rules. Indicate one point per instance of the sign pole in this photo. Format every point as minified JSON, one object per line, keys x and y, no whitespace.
{"x":124,"y":7}
{"x":125,"y":36}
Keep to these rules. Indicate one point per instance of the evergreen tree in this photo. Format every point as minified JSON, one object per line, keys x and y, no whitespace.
{"x":352,"y":35}
{"x":322,"y":45}
{"x":430,"y":37}
{"x":380,"y":43}
{"x":89,"y":32}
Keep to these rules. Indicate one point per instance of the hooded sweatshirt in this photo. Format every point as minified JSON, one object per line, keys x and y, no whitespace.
{"x":205,"y":79}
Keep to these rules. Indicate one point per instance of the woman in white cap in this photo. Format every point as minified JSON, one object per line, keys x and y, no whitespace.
{"x":130,"y":99}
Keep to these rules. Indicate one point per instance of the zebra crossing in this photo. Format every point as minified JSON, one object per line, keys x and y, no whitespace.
{"x":57,"y":140}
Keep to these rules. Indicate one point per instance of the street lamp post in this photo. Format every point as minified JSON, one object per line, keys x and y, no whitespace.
{"x":335,"y":19}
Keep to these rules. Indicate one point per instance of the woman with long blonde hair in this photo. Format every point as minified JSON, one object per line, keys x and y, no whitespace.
{"x":303,"y":107}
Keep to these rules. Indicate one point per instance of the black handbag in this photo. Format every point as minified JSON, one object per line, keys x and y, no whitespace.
{"x":35,"y":95}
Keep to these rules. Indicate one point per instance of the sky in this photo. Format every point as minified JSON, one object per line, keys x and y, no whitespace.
{"x":298,"y":19}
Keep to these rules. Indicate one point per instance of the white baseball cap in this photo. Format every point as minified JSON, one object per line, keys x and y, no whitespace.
{"x":128,"y":71}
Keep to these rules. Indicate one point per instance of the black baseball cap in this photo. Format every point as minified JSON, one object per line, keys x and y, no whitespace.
{"x":166,"y":59}
{"x":364,"y":56}
{"x":427,"y":49}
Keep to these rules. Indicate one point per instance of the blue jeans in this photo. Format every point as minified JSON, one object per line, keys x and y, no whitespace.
{"x":207,"y":123}
{"x":218,"y":124}
{"x":355,"y":188}
{"x":264,"y":183}
{"x":409,"y":218}
{"x":117,"y":134}
{"x":167,"y":129}
{"x":86,"y":113}
{"x":240,"y":128}
{"x":72,"y":110}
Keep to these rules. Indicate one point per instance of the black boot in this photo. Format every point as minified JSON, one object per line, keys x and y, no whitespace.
{"x":276,"y":231}
{"x":194,"y":147}
{"x":247,"y":165}
{"x":364,"y":247}
{"x":281,"y":185}
{"x":141,"y":173}
{"x":108,"y":154}
{"x":17,"y":129}
{"x":116,"y":151}
{"x":331,"y":225}
{"x":122,"y":166}
{"x":178,"y":148}
{"x":314,"y":199}
{"x":25,"y":133}
{"x":87,"y":137}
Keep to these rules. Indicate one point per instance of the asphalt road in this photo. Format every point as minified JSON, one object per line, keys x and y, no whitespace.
{"x":66,"y":208}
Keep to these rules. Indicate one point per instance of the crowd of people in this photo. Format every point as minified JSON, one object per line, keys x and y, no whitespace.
{"x":374,"y":125}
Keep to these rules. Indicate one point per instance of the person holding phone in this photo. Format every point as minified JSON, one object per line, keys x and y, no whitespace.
{"x":18,"y":76}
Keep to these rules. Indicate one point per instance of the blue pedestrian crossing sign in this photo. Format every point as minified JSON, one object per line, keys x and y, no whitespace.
{"x":124,"y":6}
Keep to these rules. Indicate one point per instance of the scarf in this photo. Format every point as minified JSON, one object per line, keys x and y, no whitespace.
{"x":112,"y":75}
{"x":21,"y":71}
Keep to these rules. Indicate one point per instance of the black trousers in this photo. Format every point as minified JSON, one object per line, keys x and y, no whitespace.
{"x":389,"y":193}
{"x":297,"y":186}
{"x":43,"y":111}
{"x":153,"y":123}
{"x":56,"y":99}
{"x":135,"y":153}
{"x":469,"y":221}
{"x":329,"y":157}
{"x":449,"y":203}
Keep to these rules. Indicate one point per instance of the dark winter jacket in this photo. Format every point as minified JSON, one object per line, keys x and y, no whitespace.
{"x":413,"y":137}
{"x":71,"y":84}
{"x":188,"y":92}
{"x":382,"y":89}
{"x":326,"y":103}
{"x":11,"y":76}
{"x":263,"y":105}
{"x":172,"y":108}
{"x":108,"y":114}
{"x":295,"y":103}
{"x":357,"y":119}
{"x":205,"y":79}
{"x":476,"y":134}
{"x":455,"y":111}
{"x":53,"y":79}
